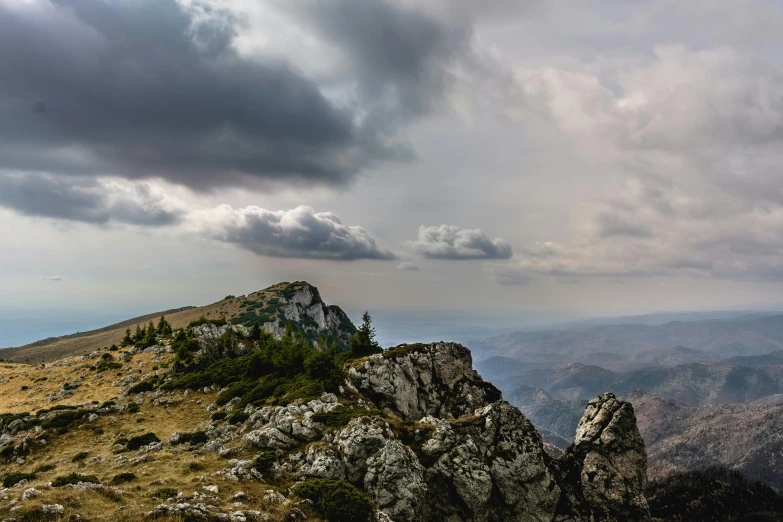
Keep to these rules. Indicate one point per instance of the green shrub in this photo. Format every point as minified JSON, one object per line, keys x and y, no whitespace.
{"x":62,"y":420}
{"x":195,"y":467}
{"x":238,"y":417}
{"x":196,"y":437}
{"x":336,"y":500}
{"x":43,"y":468}
{"x":12,"y":479}
{"x":132,"y":408}
{"x":80,"y":456}
{"x":74,"y":478}
{"x":123,"y":478}
{"x":164,"y":493}
{"x":219,"y":415}
{"x":339,"y":417}
{"x":264,"y":461}
{"x":135,"y":443}
{"x":145,"y":385}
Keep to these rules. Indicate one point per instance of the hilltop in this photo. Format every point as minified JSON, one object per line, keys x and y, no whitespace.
{"x":273,"y":307}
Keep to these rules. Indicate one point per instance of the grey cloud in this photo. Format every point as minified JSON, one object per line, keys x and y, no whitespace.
{"x":453,"y":242}
{"x":140,"y":89}
{"x":87,"y":200}
{"x":408,"y":266}
{"x":296,"y":233}
{"x":612,"y":225}
{"x":400,"y":56}
{"x":56,"y":279}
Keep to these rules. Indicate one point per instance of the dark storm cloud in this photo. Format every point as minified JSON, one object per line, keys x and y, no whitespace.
{"x":137,"y":89}
{"x":452,"y":242}
{"x":297,"y":233}
{"x":86,"y":200}
{"x":400,"y":57}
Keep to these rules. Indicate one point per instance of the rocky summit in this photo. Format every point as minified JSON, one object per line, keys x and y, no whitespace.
{"x":221,"y":421}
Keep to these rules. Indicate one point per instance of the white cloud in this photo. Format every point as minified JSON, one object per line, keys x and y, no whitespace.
{"x":299,"y":232}
{"x":453,"y":242}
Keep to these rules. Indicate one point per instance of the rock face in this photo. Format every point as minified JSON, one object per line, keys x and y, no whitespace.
{"x":439,"y":444}
{"x":301,"y":304}
{"x":604,"y":471}
{"x":421,"y":380}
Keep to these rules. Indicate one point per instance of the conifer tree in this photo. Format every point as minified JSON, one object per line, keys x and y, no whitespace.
{"x":363,"y":341}
{"x":127,"y":340}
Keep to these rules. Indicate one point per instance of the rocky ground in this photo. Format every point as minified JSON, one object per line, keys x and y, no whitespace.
{"x":415,"y":429}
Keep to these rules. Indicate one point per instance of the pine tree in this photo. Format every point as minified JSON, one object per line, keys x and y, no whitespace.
{"x":127,"y":340}
{"x":138,"y":335}
{"x":363,"y":341}
{"x":164,"y":328}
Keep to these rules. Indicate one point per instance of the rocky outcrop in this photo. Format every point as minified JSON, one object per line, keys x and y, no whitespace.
{"x":446,"y":448}
{"x":421,"y":380}
{"x":605,"y":471}
{"x":300,"y":303}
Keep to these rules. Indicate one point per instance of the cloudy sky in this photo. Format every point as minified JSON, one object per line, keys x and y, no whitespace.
{"x":594,"y":157}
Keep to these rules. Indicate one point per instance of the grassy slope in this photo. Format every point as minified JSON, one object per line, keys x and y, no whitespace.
{"x":85,"y":342}
{"x":171,"y":467}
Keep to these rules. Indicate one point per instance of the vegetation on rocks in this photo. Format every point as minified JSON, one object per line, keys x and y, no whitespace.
{"x":336,"y":500}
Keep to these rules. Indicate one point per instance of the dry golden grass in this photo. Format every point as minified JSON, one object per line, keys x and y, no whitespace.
{"x":171,"y":467}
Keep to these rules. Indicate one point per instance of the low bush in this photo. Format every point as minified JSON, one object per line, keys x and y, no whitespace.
{"x":336,"y":500}
{"x":43,"y":468}
{"x":164,"y":493}
{"x":122,"y":478}
{"x":197,"y":437}
{"x":339,"y":417}
{"x":219,"y":415}
{"x":74,"y":478}
{"x":62,"y":420}
{"x":238,"y":417}
{"x":137,"y":442}
{"x":132,"y":408}
{"x":12,"y":479}
{"x":80,"y":456}
{"x":145,"y":385}
{"x":264,"y":461}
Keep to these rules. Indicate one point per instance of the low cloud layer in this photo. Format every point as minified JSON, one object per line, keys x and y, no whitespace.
{"x":299,"y":232}
{"x":98,"y":202}
{"x":455,"y":243}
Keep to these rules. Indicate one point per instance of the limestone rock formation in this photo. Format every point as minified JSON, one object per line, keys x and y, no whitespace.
{"x":445,"y":447}
{"x":418,"y":380}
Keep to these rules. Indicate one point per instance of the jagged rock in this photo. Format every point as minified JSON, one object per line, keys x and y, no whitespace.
{"x":322,"y":461}
{"x":488,"y":467}
{"x":395,"y":481}
{"x":604,"y":471}
{"x":424,"y":379}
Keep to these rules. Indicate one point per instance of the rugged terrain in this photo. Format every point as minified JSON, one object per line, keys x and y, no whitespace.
{"x":273,"y":307}
{"x":223,"y":422}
